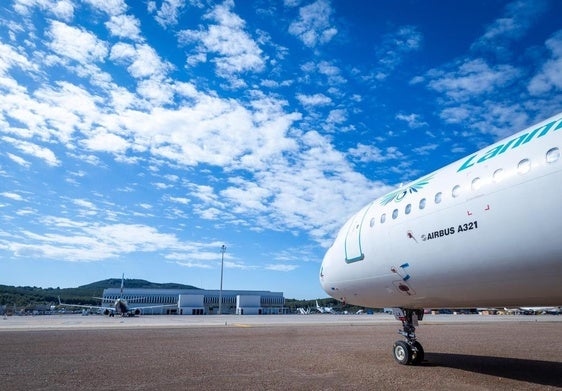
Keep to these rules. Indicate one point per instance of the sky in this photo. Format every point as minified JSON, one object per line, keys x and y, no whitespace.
{"x":140,"y":136}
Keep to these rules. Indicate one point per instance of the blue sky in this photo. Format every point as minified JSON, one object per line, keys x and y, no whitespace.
{"x":138,"y":137}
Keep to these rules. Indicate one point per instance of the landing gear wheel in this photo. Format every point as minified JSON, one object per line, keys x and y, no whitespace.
{"x":409,"y":351}
{"x":402,"y":352}
{"x":417,"y":353}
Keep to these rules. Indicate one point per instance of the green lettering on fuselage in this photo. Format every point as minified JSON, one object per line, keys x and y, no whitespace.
{"x":511,"y":144}
{"x":490,"y":154}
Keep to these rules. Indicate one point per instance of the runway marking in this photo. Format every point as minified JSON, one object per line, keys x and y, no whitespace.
{"x":242,"y":325}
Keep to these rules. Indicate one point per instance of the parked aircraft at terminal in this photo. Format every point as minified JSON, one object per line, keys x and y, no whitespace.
{"x":481,"y":232}
{"x":120,"y":306}
{"x":324,"y":310}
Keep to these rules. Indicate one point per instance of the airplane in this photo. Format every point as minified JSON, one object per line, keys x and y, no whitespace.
{"x":120,"y":306}
{"x":483,"y":231}
{"x":324,"y":310}
{"x":302,"y":311}
{"x":542,"y":310}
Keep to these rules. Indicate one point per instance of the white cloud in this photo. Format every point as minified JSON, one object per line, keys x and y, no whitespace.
{"x":233,"y":47}
{"x":19,"y":160}
{"x":157,"y":92}
{"x":210,"y":213}
{"x":12,"y":196}
{"x":76,"y":43}
{"x":471,"y":79}
{"x":425,"y":149}
{"x":550,"y":75}
{"x":34,"y":150}
{"x":332,"y":72}
{"x":213,"y":131}
{"x":314,"y":25}
{"x":394,"y":48}
{"x":337,"y":116}
{"x":59,"y":110}
{"x":90,"y":242}
{"x":518,"y":17}
{"x":281,"y":176}
{"x":62,"y":9}
{"x":204,"y":193}
{"x":313,"y":100}
{"x":316,"y":192}
{"x":179,"y":200}
{"x":196,"y":265}
{"x":9,"y":57}
{"x":107,"y":142}
{"x":143,"y":59}
{"x":84,"y":204}
{"x":124,"y":26}
{"x":238,"y":265}
{"x":369,"y":153}
{"x":281,"y":267}
{"x":111,"y":7}
{"x":413,"y":120}
{"x":168,"y":13}
{"x":246,"y":196}
{"x":497,"y":118}
{"x":198,"y":255}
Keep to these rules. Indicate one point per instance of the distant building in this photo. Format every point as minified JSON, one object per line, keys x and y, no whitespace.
{"x":199,"y":301}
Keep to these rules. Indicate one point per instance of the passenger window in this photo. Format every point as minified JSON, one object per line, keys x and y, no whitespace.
{"x":552,"y":155}
{"x":394,"y":213}
{"x":422,"y":203}
{"x":383,"y":218}
{"x":408,"y":209}
{"x":476,"y":183}
{"x":372,"y":223}
{"x":498,"y":175}
{"x":524,"y":166}
{"x":438,"y":197}
{"x":456,"y":191}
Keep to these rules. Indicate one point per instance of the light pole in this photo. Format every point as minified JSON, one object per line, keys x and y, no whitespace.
{"x":223,"y":249}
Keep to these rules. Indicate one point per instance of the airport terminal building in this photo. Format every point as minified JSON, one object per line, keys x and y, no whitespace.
{"x":199,"y":301}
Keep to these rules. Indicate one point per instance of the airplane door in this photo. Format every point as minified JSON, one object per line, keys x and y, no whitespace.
{"x":353,"y":249}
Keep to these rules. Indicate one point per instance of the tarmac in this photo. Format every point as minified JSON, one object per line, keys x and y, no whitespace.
{"x":271,"y":352}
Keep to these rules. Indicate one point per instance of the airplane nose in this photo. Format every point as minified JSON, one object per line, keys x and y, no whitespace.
{"x":325,"y":273}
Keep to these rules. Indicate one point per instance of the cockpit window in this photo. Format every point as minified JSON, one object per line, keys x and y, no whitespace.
{"x":383,"y":218}
{"x":438,"y":197}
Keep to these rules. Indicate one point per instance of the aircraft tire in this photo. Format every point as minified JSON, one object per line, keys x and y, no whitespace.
{"x":402,"y":352}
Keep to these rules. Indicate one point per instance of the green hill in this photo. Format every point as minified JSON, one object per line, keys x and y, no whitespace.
{"x":134,"y":283}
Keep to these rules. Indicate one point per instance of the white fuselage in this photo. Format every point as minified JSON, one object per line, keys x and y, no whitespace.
{"x":485,"y":231}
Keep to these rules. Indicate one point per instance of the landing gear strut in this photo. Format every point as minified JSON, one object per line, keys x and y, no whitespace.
{"x":409,"y":352}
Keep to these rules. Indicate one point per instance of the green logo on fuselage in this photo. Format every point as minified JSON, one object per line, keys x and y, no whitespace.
{"x":511,"y":144}
{"x":399,"y":194}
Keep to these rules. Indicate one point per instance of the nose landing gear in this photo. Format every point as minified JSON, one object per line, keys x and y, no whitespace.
{"x":409,"y":352}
